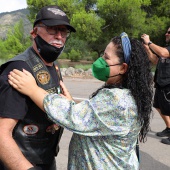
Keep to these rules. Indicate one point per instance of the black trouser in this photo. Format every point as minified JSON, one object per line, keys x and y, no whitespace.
{"x":162,"y":100}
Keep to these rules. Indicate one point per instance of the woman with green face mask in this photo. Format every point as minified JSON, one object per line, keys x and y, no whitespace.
{"x":105,"y":127}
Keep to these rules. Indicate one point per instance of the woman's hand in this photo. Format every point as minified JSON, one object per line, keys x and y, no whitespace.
{"x":24,"y":82}
{"x":66,"y":93}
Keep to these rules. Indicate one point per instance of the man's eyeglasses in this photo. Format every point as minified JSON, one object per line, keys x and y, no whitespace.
{"x":168,"y":32}
{"x":52,"y":30}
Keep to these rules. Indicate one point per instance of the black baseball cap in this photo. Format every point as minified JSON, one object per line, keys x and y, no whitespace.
{"x":53,"y":15}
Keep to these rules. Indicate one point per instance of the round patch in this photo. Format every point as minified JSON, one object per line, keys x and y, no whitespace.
{"x":30,"y":129}
{"x":43,"y":77}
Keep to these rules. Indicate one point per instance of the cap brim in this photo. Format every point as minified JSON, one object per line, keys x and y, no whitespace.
{"x":58,"y":22}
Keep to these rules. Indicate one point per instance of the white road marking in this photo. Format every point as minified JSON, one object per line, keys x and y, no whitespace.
{"x":78,"y":98}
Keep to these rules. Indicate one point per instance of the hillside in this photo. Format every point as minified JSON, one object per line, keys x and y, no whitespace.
{"x":9,"y":19}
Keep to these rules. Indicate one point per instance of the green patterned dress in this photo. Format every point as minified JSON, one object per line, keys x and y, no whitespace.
{"x":105,"y":129}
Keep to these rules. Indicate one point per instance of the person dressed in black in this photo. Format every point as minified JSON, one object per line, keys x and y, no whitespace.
{"x":28,"y":139}
{"x":161,"y":57}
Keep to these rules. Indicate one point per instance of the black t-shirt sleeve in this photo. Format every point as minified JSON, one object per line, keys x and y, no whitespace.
{"x":168,"y":48}
{"x":12,"y":103}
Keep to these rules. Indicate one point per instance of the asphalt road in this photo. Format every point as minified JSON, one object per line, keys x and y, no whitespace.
{"x":153,"y":154}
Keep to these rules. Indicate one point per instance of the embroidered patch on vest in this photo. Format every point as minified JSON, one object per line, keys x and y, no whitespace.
{"x":30,"y":129}
{"x":37,"y":67}
{"x":43,"y":77}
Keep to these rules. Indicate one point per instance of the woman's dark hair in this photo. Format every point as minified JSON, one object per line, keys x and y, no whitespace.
{"x":138,"y":79}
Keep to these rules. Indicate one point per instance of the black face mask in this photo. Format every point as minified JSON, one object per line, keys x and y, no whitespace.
{"x":48,"y":52}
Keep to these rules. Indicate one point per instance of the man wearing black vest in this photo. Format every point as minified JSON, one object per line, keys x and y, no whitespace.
{"x":28,"y":140}
{"x":161,"y":57}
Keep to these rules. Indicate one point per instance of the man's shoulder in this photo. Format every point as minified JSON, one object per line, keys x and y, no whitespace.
{"x":20,"y":65}
{"x":168,"y":48}
{"x":17,"y":62}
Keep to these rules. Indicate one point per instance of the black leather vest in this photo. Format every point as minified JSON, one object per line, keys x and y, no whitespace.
{"x":36,"y":135}
{"x":162,"y":74}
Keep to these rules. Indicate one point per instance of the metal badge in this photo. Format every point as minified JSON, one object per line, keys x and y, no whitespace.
{"x":30,"y":129}
{"x":43,"y":77}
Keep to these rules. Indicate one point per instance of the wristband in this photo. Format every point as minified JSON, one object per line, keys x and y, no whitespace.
{"x":149,"y":43}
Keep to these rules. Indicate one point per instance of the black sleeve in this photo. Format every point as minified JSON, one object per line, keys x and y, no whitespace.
{"x":168,"y":48}
{"x":12,"y":103}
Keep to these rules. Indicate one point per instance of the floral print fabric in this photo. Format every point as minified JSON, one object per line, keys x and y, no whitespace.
{"x":105,"y":129}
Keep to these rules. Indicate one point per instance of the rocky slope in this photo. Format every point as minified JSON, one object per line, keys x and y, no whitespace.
{"x":9,"y":19}
{"x":76,"y":73}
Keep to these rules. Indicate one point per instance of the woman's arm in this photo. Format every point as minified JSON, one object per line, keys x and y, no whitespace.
{"x":160,"y":51}
{"x":152,"y":57}
{"x":25,"y":83}
{"x":94,"y":117}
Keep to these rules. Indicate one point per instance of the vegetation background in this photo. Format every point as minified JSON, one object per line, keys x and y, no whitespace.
{"x":96,"y":22}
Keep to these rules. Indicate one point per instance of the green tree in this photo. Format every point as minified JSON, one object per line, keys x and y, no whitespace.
{"x":77,"y":44}
{"x":4,"y":51}
{"x":122,"y":16}
{"x":35,"y":5}
{"x":97,"y":21}
{"x":15,"y":42}
{"x":157,"y":20}
{"x":74,"y":55}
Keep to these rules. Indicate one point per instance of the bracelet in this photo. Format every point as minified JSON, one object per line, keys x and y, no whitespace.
{"x":149,"y":43}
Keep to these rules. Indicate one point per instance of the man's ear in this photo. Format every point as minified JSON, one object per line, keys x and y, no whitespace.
{"x":123,"y":68}
{"x":34,"y":32}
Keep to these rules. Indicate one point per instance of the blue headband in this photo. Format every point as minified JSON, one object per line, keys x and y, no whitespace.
{"x":126,"y":46}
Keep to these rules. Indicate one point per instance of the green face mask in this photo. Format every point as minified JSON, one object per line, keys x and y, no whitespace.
{"x":101,"y":70}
